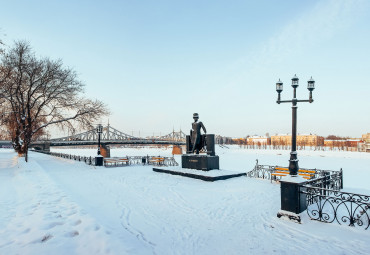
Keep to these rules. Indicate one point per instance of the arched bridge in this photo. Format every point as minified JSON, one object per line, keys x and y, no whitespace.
{"x":111,"y":136}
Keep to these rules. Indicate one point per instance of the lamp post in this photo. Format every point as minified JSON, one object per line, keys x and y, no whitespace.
{"x":99,"y":158}
{"x":293,"y":162}
{"x":99,"y":129}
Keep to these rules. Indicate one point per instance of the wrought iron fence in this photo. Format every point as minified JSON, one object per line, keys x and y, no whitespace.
{"x":143,"y":160}
{"x":87,"y":160}
{"x":326,"y":203}
{"x":130,"y":160}
{"x":323,"y":197}
{"x":330,"y":205}
{"x":267,"y":172}
{"x":332,"y":180}
{"x":261,"y":171}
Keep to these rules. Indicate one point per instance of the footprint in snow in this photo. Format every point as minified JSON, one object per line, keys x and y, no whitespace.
{"x":72,"y":234}
{"x":46,"y":238}
{"x":54,"y":224}
{"x":78,"y":222}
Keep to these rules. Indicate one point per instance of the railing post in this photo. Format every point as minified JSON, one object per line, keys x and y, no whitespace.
{"x":341,"y":178}
{"x":326,"y":182}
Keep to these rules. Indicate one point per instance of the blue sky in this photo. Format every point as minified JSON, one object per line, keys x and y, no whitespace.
{"x":154,"y":63}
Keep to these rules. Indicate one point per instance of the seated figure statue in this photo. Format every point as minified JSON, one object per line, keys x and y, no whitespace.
{"x":195,"y":134}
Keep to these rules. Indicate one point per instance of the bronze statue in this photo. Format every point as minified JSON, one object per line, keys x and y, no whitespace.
{"x":197,"y":142}
{"x":196,"y":138}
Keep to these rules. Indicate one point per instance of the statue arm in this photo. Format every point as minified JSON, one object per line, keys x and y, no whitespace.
{"x":203,"y":127}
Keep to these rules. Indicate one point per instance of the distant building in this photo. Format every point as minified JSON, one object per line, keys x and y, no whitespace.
{"x":353,"y":142}
{"x":310,"y":140}
{"x":334,"y":143}
{"x":259,"y":140}
{"x":365,"y":145}
{"x":302,"y":140}
{"x":281,"y":140}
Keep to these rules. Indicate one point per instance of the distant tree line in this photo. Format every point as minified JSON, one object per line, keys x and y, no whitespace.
{"x":334,"y":137}
{"x":336,"y":143}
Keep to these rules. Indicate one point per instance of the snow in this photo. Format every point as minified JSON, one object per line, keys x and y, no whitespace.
{"x":293,"y":179}
{"x":60,"y":206}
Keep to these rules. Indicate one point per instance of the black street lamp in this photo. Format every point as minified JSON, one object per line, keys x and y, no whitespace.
{"x":99,"y":129}
{"x":293,"y":162}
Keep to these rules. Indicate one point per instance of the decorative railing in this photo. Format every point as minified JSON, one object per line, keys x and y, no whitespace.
{"x":267,"y":172}
{"x":328,"y":205}
{"x":322,"y":198}
{"x":87,"y":160}
{"x":143,"y":160}
{"x":261,"y":171}
{"x":131,"y":160}
{"x":329,"y":179}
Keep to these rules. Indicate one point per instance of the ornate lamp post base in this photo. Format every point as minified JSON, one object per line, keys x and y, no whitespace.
{"x":293,"y":164}
{"x":292,"y":201}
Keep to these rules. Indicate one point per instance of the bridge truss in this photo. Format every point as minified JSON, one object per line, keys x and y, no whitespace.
{"x":174,"y":136}
{"x":111,"y":135}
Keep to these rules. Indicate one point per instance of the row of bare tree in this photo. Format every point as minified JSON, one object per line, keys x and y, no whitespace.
{"x":343,"y":144}
{"x":36,"y":93}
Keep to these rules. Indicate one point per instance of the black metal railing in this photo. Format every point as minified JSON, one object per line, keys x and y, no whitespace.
{"x":143,"y":160}
{"x":330,"y":205}
{"x":268,"y":172}
{"x":327,"y":203}
{"x":87,"y":160}
{"x":329,"y":179}
{"x":261,"y":171}
{"x":118,"y":161}
{"x":323,"y":197}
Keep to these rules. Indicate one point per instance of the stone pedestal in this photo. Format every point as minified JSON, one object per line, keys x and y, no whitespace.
{"x":200,"y":162}
{"x":99,"y":160}
{"x":292,"y":201}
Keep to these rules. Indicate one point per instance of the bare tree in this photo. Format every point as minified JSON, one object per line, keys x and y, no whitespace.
{"x":1,"y":45}
{"x":39,"y":92}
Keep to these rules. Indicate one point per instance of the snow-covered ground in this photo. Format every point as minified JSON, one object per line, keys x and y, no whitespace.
{"x":59,"y":206}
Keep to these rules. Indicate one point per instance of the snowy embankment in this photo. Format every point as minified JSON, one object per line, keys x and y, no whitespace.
{"x":58,"y":206}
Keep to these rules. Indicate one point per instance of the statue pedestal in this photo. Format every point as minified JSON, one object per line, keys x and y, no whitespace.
{"x":200,"y":162}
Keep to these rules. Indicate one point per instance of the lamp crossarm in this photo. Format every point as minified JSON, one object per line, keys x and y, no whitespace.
{"x":291,"y":101}
{"x":285,"y":101}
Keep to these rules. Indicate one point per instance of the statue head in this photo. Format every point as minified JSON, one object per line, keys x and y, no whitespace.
{"x":195,"y":117}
